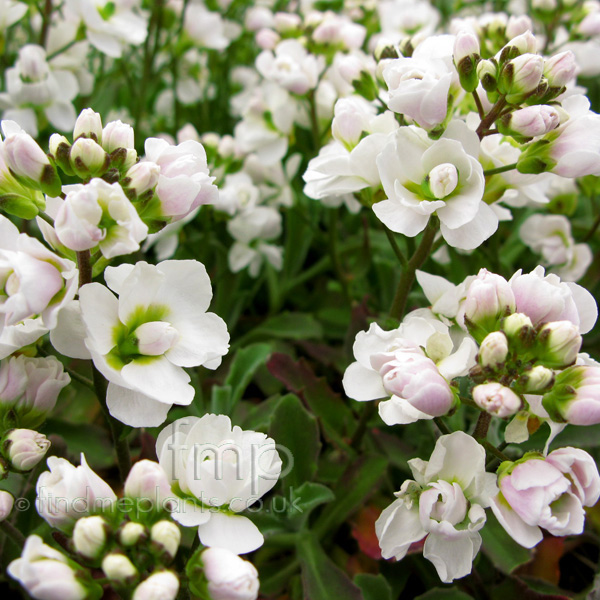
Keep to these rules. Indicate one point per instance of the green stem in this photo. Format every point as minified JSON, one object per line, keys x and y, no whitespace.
{"x":61,"y":50}
{"x":12,"y":533}
{"x":367,"y":412}
{"x":314,"y":120}
{"x":408,"y":274}
{"x":116,"y":428}
{"x":333,"y":250}
{"x":497,"y":170}
{"x":441,"y":425}
{"x":399,"y":254}
{"x":493,"y":450}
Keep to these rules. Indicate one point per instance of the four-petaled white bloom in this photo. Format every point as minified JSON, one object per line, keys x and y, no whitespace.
{"x":444,"y":503}
{"x":141,"y":340}
{"x":422,"y":177}
{"x":218,"y":471}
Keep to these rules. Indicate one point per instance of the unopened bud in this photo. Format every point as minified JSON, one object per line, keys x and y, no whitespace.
{"x":117,"y":135}
{"x":89,"y":536}
{"x":560,"y":69}
{"x":518,"y":326}
{"x":163,"y":585}
{"x":531,"y":121}
{"x":167,"y":536}
{"x":466,"y":56}
{"x":497,"y":399}
{"x":493,"y":350}
{"x":442,"y":180}
{"x":119,"y":568}
{"x":520,"y":77}
{"x":487,"y":72}
{"x":6,"y":504}
{"x":538,"y":379}
{"x":140,"y":178}
{"x":155,"y":338}
{"x":89,"y":125}
{"x":60,"y":148}
{"x":25,"y":448}
{"x":524,"y":43}
{"x":132,"y":533}
{"x":88,"y":159}
{"x":559,"y":343}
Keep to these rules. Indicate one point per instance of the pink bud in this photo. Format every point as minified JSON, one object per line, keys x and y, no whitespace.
{"x":25,"y":448}
{"x":267,"y":38}
{"x":560,"y":69}
{"x":466,"y":44}
{"x":497,"y":399}
{"x":534,"y":120}
{"x":493,"y":350}
{"x":88,"y":124}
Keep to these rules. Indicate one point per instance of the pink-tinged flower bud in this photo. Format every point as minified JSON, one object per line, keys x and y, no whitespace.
{"x":119,"y":568}
{"x":530,"y":121}
{"x":147,"y":480}
{"x":132,"y":533}
{"x":517,"y":25}
{"x":443,"y":180}
{"x":140,"y":178}
{"x":117,"y":135}
{"x":489,"y":298}
{"x":163,"y":585}
{"x":155,"y":338}
{"x":466,"y":44}
{"x":88,"y":159}
{"x":520,"y":76}
{"x":229,"y":576}
{"x":286,"y":22}
{"x":525,"y":43}
{"x":538,"y":379}
{"x":24,"y":448}
{"x":558,"y":344}
{"x":590,"y":25}
{"x":497,"y":399}
{"x":493,"y":350}
{"x":581,"y":469}
{"x":60,"y":148}
{"x":47,"y":574}
{"x":575,"y":396}
{"x":267,"y":39}
{"x":89,"y":536}
{"x":27,"y":161}
{"x":167,"y":537}
{"x":89,"y":125}
{"x":560,"y":69}
{"x":6,"y":504}
{"x":258,"y":17}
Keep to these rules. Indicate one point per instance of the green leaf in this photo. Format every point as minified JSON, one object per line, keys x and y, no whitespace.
{"x":288,"y":325}
{"x":243,"y":367}
{"x":444,"y":594}
{"x":84,"y":437}
{"x":304,"y":499}
{"x":294,"y":428}
{"x":334,"y":414}
{"x":355,"y":485}
{"x":502,"y":550}
{"x":220,"y":400}
{"x":373,"y":587}
{"x":321,"y":578}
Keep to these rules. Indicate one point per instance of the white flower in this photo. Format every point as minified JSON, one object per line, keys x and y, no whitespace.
{"x":544,"y":298}
{"x":392,"y":363}
{"x":67,"y":493}
{"x":109,"y":26}
{"x":536,"y":493}
{"x":97,"y":214}
{"x":184,"y":182}
{"x":419,"y":86}
{"x":291,"y":66}
{"x":219,"y":471}
{"x":32,"y":82}
{"x":446,"y":503}
{"x":161,"y":309}
{"x":45,"y":573}
{"x":207,"y":29}
{"x":229,"y":576}
{"x":408,"y":166}
{"x":10,"y":13}
{"x":36,"y":283}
